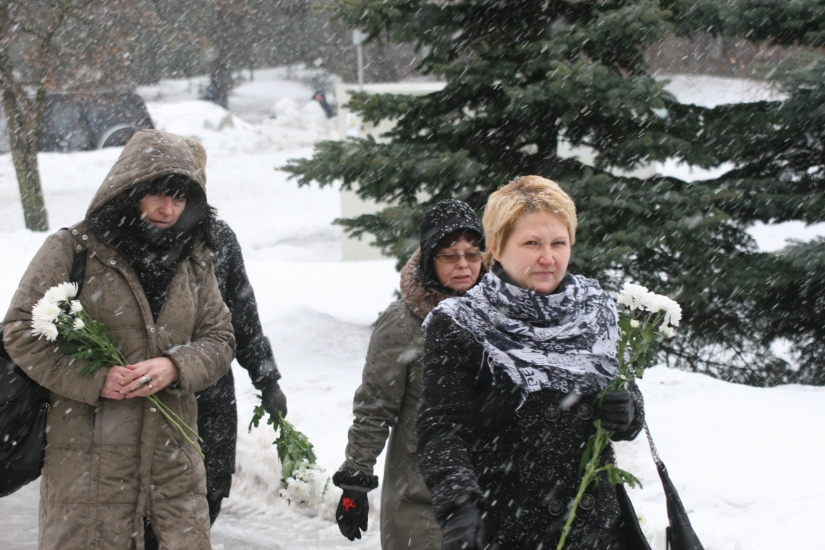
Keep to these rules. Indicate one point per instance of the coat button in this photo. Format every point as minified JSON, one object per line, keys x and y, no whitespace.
{"x":152,"y":330}
{"x":112,"y":262}
{"x":551,"y":413}
{"x":74,"y":231}
{"x":85,"y":237}
{"x":587,"y":502}
{"x":585,"y":412}
{"x":80,"y":247}
{"x":555,"y":507}
{"x":203,"y":264}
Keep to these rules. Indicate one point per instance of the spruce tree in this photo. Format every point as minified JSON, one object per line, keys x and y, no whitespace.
{"x":779,"y":174}
{"x":522,"y":78}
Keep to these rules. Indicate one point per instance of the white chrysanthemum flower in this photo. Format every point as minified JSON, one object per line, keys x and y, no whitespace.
{"x":673,"y":313}
{"x":75,"y":307}
{"x":634,"y":323}
{"x":667,"y":331}
{"x":655,"y":303}
{"x":632,"y":296}
{"x":306,"y":487}
{"x":78,"y":324}
{"x":46,"y":329}
{"x":45,"y":311}
{"x":63,"y":292}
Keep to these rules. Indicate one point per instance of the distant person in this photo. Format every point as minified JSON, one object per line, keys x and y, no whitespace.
{"x":447,"y":263}
{"x":113,"y":462}
{"x":321,"y":98}
{"x":212,"y":94}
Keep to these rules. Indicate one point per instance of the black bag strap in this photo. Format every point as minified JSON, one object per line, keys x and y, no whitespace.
{"x":79,"y":269}
{"x":77,"y":274}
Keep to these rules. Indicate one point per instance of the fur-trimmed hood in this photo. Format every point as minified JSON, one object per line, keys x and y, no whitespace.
{"x":420,"y":299}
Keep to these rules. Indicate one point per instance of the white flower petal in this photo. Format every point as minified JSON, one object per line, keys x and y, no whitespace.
{"x":78,"y":324}
{"x":75,"y":307}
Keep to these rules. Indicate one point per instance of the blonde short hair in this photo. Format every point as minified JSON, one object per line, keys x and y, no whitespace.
{"x":524,"y":195}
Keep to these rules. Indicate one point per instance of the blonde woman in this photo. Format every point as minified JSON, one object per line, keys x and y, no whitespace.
{"x":511,"y":374}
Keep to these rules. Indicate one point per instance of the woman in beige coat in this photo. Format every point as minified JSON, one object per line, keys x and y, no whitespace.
{"x":447,"y":264}
{"x":113,"y":463}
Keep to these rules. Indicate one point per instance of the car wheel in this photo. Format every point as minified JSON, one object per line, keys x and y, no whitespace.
{"x":116,"y":136}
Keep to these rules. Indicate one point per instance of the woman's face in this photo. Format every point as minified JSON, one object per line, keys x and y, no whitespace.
{"x":162,"y":210}
{"x":462,"y":274}
{"x":537,"y":252}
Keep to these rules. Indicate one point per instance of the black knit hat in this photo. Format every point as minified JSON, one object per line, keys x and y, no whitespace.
{"x":447,"y":218}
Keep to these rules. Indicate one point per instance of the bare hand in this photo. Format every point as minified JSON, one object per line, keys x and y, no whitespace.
{"x":161,"y":370}
{"x":114,"y":383}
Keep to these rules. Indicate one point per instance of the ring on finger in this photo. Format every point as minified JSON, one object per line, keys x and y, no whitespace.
{"x":145,"y":380}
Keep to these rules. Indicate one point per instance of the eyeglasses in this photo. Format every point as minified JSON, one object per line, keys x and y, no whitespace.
{"x":454,"y":258}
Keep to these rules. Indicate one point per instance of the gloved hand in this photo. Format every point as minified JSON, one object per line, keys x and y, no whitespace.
{"x":464,"y":529}
{"x":352,"y":513}
{"x":274,"y":400}
{"x":617,"y":411}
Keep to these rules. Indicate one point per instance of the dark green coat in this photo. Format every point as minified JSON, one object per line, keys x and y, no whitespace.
{"x":385,"y":404}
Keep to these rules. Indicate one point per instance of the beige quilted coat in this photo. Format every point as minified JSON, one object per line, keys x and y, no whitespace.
{"x":110,"y":464}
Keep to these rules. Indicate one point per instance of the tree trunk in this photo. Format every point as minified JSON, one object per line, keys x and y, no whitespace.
{"x":221,"y":78}
{"x":21,"y":113}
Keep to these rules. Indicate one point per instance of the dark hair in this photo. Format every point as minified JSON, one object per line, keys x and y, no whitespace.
{"x":450,"y":240}
{"x":121,"y":213}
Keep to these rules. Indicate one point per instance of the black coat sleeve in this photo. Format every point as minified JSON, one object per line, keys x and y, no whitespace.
{"x":254,"y":352}
{"x":447,"y":416}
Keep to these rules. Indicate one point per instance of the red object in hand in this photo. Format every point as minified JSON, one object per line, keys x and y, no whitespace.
{"x":348,"y":504}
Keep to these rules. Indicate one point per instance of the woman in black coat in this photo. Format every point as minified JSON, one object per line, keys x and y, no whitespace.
{"x":512,"y":371}
{"x":217,"y":408}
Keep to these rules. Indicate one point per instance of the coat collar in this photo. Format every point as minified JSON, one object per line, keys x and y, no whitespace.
{"x":111,"y":256}
{"x":420,"y":299}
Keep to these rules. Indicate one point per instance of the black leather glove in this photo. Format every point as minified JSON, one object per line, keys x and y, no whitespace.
{"x":618,"y":410}
{"x":274,"y":400}
{"x":464,"y":529}
{"x":352,"y":513}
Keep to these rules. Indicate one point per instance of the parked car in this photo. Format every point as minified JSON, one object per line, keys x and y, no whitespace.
{"x":87,"y":121}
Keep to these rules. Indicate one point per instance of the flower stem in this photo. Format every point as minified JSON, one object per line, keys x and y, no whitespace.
{"x":599,"y":442}
{"x":168,"y":413}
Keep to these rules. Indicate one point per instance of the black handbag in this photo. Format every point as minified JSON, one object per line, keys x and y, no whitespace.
{"x":679,"y":533}
{"x":23,"y":407}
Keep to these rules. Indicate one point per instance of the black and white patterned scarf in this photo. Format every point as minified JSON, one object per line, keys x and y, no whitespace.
{"x":564,"y":341}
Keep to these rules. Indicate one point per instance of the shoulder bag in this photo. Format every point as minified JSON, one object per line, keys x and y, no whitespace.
{"x":23,"y":407}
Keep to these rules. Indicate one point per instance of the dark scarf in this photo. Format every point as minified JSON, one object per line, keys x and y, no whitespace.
{"x":155,"y":253}
{"x":564,"y":341}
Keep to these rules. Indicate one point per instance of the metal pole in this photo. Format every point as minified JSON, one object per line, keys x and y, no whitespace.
{"x":360,"y":68}
{"x":358,"y":38}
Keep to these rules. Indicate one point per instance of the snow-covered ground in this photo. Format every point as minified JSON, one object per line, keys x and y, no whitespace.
{"x":743,"y":459}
